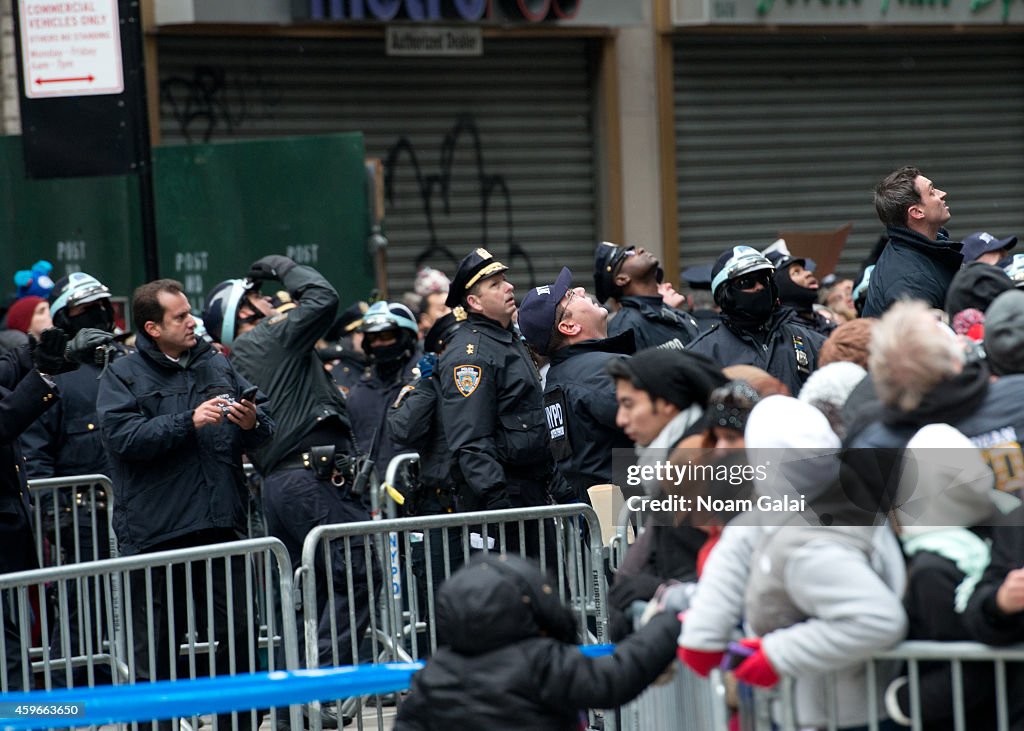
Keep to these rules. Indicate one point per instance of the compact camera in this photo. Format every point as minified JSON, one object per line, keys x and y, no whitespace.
{"x":226,"y":407}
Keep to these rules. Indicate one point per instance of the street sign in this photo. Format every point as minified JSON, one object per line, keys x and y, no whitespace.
{"x":70,"y":48}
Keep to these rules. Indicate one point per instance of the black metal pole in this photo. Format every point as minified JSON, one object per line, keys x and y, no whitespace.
{"x":144,"y":168}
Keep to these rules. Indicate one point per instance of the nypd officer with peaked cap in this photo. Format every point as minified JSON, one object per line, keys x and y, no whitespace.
{"x":492,"y":406}
{"x":755,"y":330}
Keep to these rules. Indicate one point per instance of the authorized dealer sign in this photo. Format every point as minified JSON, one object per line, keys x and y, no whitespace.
{"x":70,"y":48}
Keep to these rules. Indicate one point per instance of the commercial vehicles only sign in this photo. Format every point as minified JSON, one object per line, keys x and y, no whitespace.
{"x":70,"y":48}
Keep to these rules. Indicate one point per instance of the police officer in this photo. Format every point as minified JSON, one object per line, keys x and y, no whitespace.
{"x":65,"y":440}
{"x":798,"y":290}
{"x":391,"y":343}
{"x":277,"y":352}
{"x":564,"y":323}
{"x":492,"y":407}
{"x":631,"y":276}
{"x":754,"y":329}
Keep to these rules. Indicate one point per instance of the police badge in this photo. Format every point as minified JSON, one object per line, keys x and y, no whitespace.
{"x":467,"y":378}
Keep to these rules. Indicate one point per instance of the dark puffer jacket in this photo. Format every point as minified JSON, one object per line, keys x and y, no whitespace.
{"x":509,"y":660}
{"x":913,"y":266}
{"x":171,"y":479}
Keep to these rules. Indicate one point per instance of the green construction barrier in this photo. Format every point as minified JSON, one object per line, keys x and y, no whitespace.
{"x":219,"y":206}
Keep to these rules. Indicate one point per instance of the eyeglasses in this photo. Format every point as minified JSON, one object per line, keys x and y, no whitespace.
{"x":563,"y":310}
{"x":750,"y":281}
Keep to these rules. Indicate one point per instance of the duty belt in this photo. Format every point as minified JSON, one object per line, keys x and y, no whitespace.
{"x":323,"y":461}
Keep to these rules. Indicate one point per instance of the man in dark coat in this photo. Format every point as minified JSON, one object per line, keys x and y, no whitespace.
{"x":919,"y":261}
{"x":277,"y":351}
{"x":175,"y":424}
{"x":632,"y":276}
{"x":755,"y":330}
{"x":564,"y":323}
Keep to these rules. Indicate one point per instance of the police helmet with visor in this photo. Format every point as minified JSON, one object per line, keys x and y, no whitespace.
{"x":75,"y":290}
{"x":221,"y":312}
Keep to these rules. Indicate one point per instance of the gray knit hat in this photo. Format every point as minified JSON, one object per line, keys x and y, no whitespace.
{"x":1004,"y":333}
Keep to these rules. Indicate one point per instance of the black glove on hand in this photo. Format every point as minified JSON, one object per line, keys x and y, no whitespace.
{"x":48,"y":353}
{"x":82,"y":347}
{"x":274,"y":266}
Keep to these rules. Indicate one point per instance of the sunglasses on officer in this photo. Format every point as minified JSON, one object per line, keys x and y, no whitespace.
{"x":750,"y":281}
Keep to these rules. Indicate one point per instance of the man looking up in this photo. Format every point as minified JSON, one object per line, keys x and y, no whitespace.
{"x":566,"y":324}
{"x":631,"y":276}
{"x":919,"y":261}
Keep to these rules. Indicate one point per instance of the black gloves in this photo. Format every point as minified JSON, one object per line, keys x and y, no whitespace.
{"x":48,"y":353}
{"x":84,"y":346}
{"x":274,"y":266}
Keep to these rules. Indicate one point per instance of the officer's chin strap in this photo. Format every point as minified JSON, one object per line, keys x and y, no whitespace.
{"x":251,"y":319}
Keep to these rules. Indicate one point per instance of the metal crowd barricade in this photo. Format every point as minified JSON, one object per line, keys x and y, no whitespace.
{"x":398,"y":614}
{"x":71,"y":519}
{"x":686,"y":702}
{"x":785,"y":715}
{"x":205,"y":597}
{"x":678,"y":701}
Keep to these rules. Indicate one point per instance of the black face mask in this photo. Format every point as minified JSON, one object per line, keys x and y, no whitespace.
{"x":98,"y":317}
{"x":382,"y":354}
{"x":801,"y":299}
{"x":749,"y":309}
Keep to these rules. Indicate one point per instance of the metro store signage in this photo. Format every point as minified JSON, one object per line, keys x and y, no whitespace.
{"x":497,"y":11}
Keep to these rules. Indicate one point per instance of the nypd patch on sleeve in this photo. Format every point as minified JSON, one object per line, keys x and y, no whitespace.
{"x":467,"y":378}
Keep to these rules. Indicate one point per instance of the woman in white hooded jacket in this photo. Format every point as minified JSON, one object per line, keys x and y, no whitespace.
{"x":820,"y":598}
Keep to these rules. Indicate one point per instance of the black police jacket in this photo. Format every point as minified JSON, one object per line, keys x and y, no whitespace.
{"x":492,"y":409}
{"x":171,"y":479}
{"x":913,"y":266}
{"x":414,"y":421}
{"x":783,"y":348}
{"x":66,"y":439}
{"x":653,"y":323}
{"x":24,"y":395}
{"x":279,"y":356}
{"x":368,"y":400}
{"x":579,"y":398}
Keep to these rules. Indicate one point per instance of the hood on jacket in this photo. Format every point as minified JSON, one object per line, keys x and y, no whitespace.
{"x":795,"y":445}
{"x":495,"y":601}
